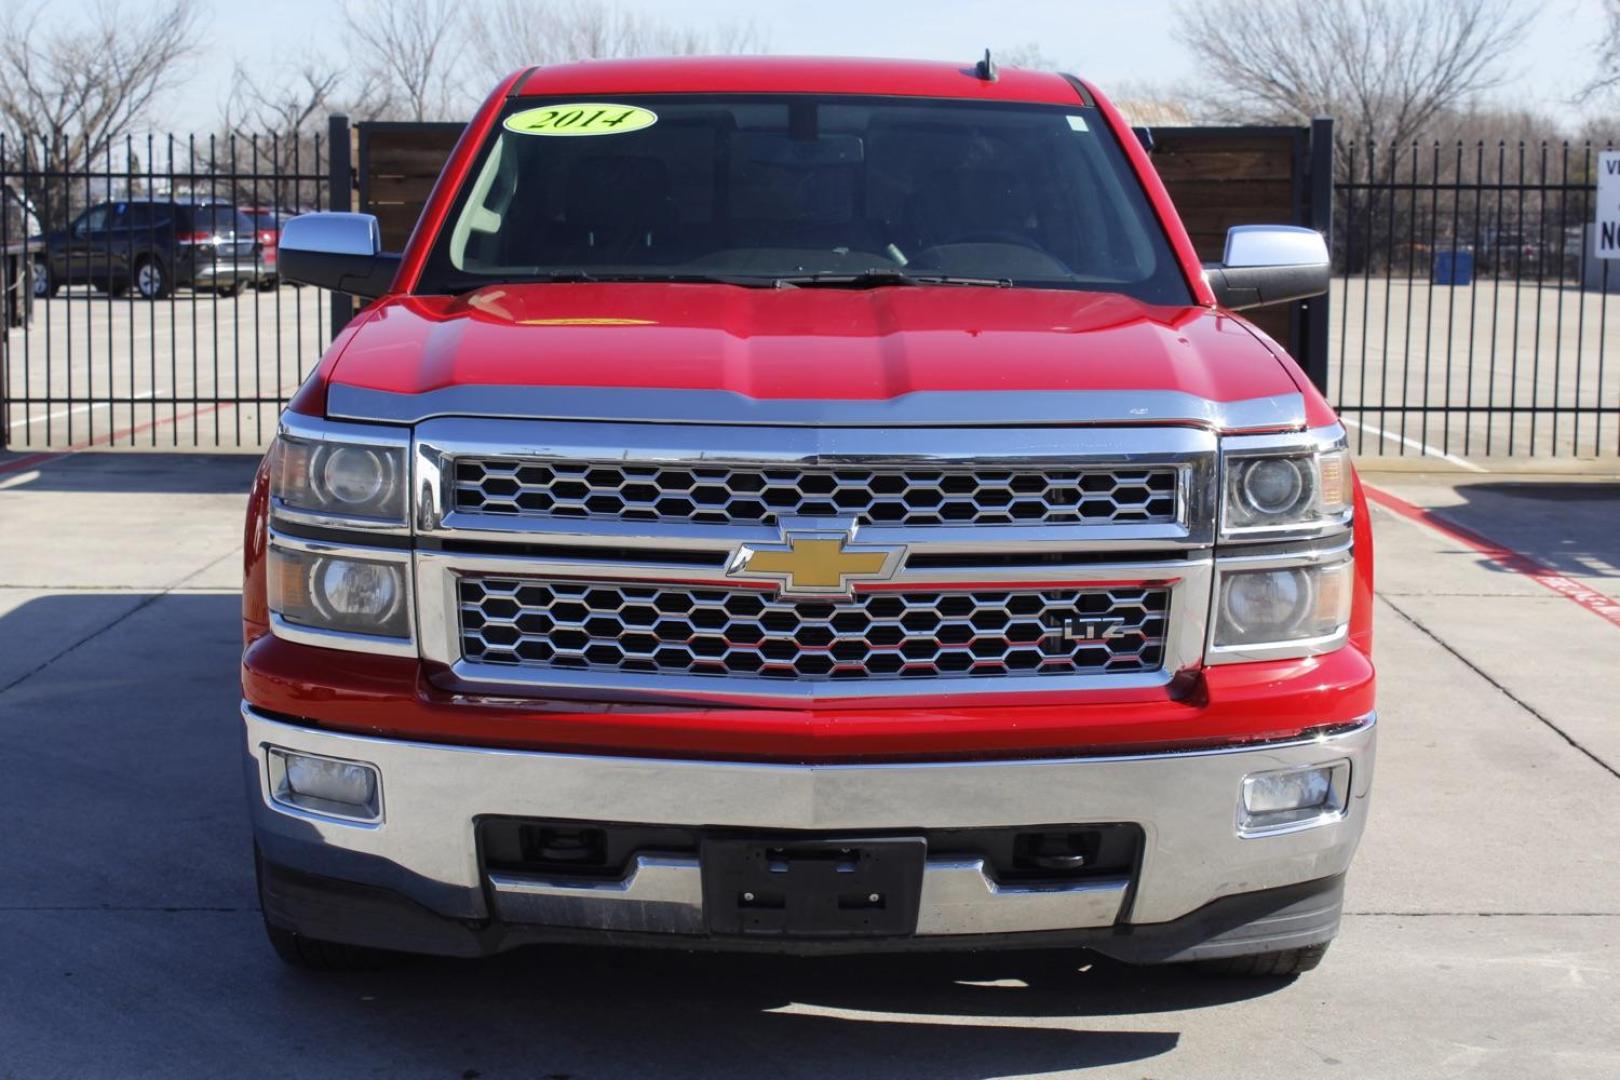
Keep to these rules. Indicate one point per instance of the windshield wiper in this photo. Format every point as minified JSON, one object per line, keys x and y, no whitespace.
{"x":878,"y":277}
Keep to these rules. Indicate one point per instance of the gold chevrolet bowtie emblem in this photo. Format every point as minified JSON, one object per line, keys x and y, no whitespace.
{"x":815,"y":560}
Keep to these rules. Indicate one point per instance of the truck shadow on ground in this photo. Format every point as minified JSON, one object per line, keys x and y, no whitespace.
{"x":148,"y":473}
{"x":148,"y":874}
{"x":1573,"y":528}
{"x":963,"y":1015}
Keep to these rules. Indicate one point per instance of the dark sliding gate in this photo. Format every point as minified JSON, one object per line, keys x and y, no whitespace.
{"x":1468,"y":316}
{"x":1473,"y":318}
{"x":155,"y":317}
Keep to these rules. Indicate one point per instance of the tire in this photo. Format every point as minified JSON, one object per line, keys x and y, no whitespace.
{"x":1282,"y":964}
{"x":45,"y":286}
{"x":228,"y":291}
{"x":268,"y":284}
{"x":312,"y":954}
{"x":151,"y":280}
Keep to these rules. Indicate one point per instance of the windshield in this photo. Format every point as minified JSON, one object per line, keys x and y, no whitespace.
{"x":804,"y":190}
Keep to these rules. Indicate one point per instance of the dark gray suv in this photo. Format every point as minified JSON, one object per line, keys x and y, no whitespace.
{"x":152,"y":247}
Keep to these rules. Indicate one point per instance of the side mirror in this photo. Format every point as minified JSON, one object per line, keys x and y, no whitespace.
{"x":1269,"y":264}
{"x":337,"y":251}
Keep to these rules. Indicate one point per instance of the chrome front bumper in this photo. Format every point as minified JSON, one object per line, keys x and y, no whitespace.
{"x":424,"y":847}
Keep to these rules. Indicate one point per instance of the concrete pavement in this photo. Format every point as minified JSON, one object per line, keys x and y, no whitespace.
{"x":1483,"y":937}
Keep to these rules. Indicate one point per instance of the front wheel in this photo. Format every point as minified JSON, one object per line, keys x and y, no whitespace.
{"x":45,"y":283}
{"x":151,"y":281}
{"x":1282,"y":964}
{"x":314,"y":954}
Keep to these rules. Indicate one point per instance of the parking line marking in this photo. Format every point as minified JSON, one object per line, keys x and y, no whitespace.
{"x":111,"y":437}
{"x":142,"y":396}
{"x":1415,"y":444}
{"x":1507,"y":558}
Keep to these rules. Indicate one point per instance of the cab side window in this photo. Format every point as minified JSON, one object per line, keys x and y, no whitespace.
{"x":93,"y":220}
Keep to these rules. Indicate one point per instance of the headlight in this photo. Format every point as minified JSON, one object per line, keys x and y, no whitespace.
{"x":1282,"y":604}
{"x":359,"y":483}
{"x":1272,"y":491}
{"x":339,"y":592}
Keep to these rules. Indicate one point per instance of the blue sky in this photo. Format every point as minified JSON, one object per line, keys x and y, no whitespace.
{"x":1116,"y":43}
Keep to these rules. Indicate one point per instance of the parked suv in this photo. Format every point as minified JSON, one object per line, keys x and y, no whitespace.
{"x":805,"y":505}
{"x":151,"y":246}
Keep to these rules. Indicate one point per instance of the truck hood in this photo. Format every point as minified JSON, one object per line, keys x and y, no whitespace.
{"x":772,"y":346}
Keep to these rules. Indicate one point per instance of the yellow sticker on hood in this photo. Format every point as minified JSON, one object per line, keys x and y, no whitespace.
{"x":581,"y":118}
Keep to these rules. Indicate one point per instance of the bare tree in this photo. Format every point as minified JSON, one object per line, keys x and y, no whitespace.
{"x":274,"y":123}
{"x":511,"y":34}
{"x":1606,"y":79}
{"x":70,"y":91}
{"x":1027,"y":55}
{"x":1381,"y":68}
{"x":409,"y":50}
{"x":297,"y":100}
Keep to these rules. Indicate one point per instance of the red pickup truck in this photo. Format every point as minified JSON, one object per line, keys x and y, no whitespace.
{"x":806,"y":505}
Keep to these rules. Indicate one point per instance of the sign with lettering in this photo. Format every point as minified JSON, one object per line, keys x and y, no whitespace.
{"x":1607,"y":230}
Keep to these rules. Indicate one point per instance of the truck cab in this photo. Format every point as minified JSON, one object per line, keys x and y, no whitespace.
{"x":805,"y":505}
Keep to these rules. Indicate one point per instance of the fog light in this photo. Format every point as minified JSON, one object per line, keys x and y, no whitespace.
{"x":323,"y":785}
{"x":1287,"y":799}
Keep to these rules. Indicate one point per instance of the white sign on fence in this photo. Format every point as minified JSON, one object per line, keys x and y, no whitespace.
{"x":1608,"y":205}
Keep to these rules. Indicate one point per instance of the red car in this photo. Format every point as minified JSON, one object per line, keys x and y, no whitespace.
{"x":267,"y":225}
{"x":806,"y":505}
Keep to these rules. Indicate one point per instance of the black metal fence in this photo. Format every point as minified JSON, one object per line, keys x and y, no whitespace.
{"x":1471,"y":315}
{"x":151,"y":319}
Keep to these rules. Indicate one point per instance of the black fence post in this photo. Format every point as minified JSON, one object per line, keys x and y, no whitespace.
{"x":1320,"y":208}
{"x":340,"y":196}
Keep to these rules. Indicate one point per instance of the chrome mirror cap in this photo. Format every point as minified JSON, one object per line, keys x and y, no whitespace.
{"x":338,"y":251}
{"x":1274,"y":245}
{"x":1269,"y":264}
{"x":332,"y":233}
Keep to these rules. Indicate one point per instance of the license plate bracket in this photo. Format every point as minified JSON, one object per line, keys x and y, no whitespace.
{"x":778,"y":887}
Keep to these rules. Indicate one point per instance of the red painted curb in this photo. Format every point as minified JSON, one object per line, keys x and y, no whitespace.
{"x":29,"y":461}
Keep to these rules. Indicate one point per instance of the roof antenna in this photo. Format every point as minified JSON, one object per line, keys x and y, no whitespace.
{"x":986,"y":69}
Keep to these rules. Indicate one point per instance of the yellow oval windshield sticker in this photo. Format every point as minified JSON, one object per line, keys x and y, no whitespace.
{"x":581,"y":118}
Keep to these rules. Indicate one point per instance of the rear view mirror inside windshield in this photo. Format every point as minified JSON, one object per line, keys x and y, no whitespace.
{"x":762,"y":148}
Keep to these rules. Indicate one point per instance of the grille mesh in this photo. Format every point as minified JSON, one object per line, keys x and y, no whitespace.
{"x":687,"y":630}
{"x":758,"y":495}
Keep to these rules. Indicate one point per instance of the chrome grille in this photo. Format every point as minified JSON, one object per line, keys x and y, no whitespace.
{"x":748,"y":495}
{"x":693,"y":630}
